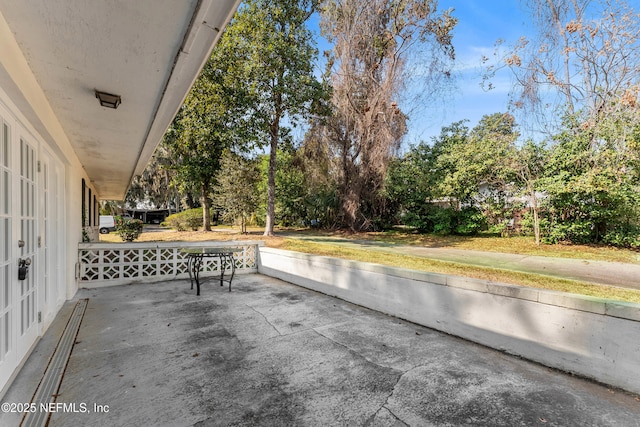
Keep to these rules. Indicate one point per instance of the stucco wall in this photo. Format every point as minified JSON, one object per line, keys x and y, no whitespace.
{"x":594,"y":338}
{"x":25,"y":99}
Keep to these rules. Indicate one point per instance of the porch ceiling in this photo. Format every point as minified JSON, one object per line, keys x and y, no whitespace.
{"x":147,"y":51}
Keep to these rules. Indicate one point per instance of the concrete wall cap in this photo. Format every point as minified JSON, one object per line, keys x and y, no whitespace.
{"x":625,"y":310}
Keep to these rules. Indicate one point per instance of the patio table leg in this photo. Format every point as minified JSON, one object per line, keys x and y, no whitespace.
{"x":197,"y":265}
{"x":233,"y":269}
{"x":189,"y":268}
{"x":222,"y":258}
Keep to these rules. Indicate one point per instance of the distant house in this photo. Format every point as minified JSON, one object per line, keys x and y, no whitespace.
{"x":87,"y":89}
{"x":522,"y":203}
{"x":149,"y":216}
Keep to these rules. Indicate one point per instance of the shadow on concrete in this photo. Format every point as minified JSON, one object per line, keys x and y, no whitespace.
{"x":271,"y":353}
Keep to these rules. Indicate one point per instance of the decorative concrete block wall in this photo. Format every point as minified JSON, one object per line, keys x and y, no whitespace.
{"x":111,"y":264}
{"x":593,"y":338}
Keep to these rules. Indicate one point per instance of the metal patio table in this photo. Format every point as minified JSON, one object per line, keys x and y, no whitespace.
{"x":195,"y":263}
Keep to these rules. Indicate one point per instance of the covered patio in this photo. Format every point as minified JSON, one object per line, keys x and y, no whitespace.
{"x":272,"y":353}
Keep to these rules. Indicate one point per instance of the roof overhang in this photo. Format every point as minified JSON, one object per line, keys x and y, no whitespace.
{"x":149,"y":52}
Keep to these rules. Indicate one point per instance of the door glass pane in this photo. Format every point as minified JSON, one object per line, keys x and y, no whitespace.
{"x":7,"y":324}
{"x":6,"y":241}
{"x":5,"y":145}
{"x":4,"y":237}
{"x":32,"y":202}
{"x":32,"y":308}
{"x":5,"y":193}
{"x":21,"y":158}
{"x":2,"y":350}
{"x":27,"y":160}
{"x":6,"y":288}
{"x":22,"y":198}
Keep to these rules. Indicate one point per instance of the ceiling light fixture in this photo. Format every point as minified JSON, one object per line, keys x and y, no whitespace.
{"x":108,"y":100}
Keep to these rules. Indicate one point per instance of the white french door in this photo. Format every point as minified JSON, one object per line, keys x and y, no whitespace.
{"x":31,"y":193}
{"x":50,"y":241}
{"x":19,"y":318}
{"x":8,"y":270}
{"x":27,"y":327}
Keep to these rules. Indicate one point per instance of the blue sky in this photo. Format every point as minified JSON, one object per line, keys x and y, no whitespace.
{"x":480,"y":24}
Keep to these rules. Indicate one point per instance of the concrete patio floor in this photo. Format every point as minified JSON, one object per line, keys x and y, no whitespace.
{"x":273,"y":354}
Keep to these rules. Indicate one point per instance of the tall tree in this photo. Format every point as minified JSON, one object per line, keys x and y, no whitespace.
{"x":593,"y":191}
{"x":412,"y":185}
{"x":292,"y":189}
{"x":469,"y":160}
{"x":315,"y":160}
{"x":236,"y":194}
{"x":212,"y":119}
{"x":274,"y":53}
{"x":584,"y":57}
{"x":155,"y":185}
{"x":373,"y":42}
{"x":528,"y":164}
{"x":579,"y":77}
{"x":197,"y":139}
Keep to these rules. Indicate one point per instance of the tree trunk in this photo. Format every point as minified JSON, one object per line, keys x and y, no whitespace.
{"x":271,"y":190}
{"x":206,"y":217}
{"x":536,"y":218}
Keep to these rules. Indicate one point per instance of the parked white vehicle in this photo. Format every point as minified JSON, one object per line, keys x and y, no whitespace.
{"x":107,"y":224}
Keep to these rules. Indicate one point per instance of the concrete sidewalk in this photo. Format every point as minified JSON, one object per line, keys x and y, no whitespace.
{"x":273,"y":354}
{"x":618,"y":274}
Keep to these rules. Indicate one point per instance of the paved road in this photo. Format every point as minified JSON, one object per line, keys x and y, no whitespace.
{"x":601,"y":272}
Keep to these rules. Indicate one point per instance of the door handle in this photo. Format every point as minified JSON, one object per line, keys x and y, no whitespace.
{"x":23,"y":268}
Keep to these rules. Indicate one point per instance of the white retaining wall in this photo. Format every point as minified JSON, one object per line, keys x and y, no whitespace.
{"x":591,"y":337}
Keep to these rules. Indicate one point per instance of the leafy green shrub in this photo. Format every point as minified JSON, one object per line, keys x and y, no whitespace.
{"x":527,"y":224}
{"x":428,"y":218}
{"x":190,"y":219}
{"x":193,"y":218}
{"x":128,"y":229}
{"x":623,"y":238}
{"x":469,"y":221}
{"x":574,"y":232}
{"x":443,"y":220}
{"x":174,"y":221}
